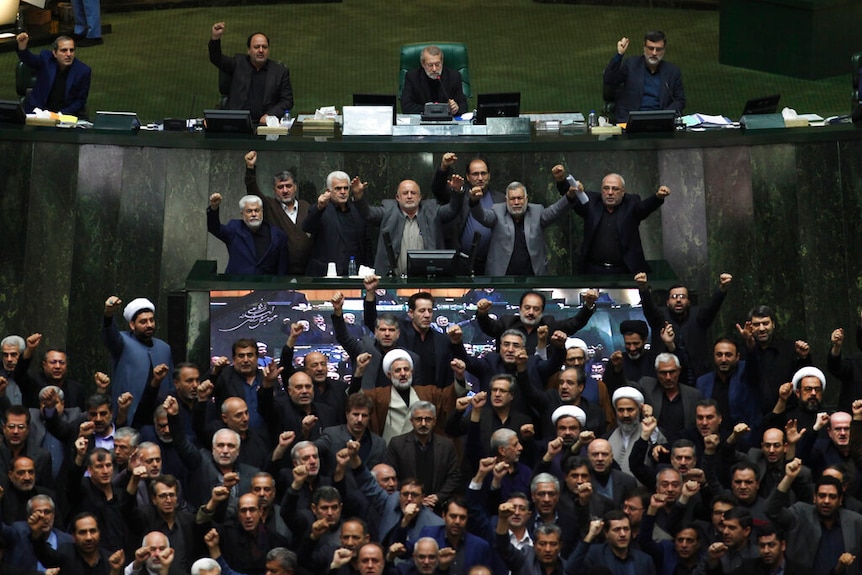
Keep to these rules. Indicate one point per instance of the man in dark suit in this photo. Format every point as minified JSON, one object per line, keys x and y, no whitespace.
{"x":257,"y":83}
{"x":426,"y":456}
{"x":336,"y":228}
{"x":808,"y":525}
{"x":416,"y":334}
{"x":254,"y":247}
{"x":409,"y":222}
{"x":616,"y":555}
{"x":673,"y":404}
{"x":58,"y":65}
{"x":284,"y":209}
{"x":645,"y":83}
{"x":432,"y":83}
{"x":518,"y":230}
{"x":372,"y":448}
{"x":612,"y":241}
{"x":531,"y":315}
{"x":459,"y":235}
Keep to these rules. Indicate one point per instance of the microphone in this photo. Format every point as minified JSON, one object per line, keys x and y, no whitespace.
{"x":438,"y":77}
{"x":474,"y":247}
{"x":390,"y":254}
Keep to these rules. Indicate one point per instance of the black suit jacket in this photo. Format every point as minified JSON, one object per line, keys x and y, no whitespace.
{"x":278,"y":94}
{"x":401,"y":455}
{"x":632,"y":210}
{"x":419,"y":89}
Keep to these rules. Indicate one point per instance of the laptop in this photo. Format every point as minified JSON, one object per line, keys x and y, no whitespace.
{"x":651,"y":121}
{"x":763,"y":105}
{"x":500,"y":105}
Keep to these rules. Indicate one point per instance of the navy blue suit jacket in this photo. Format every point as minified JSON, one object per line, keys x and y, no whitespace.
{"x":19,"y":548}
{"x":476,"y":550}
{"x":629,"y":75}
{"x":242,"y":258}
{"x":77,"y":82}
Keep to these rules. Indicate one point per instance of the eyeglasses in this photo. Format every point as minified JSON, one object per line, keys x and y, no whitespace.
{"x":678,"y":296}
{"x":14,"y":426}
{"x":166,"y":496}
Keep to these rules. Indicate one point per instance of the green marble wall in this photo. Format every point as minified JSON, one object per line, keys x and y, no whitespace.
{"x":86,"y":221}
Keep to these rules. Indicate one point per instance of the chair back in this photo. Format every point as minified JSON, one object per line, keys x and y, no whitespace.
{"x":25,"y":79}
{"x":855,"y":71}
{"x":454,"y":57}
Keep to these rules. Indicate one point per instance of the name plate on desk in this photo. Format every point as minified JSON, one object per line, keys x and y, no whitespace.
{"x":447,"y":130}
{"x":367,"y":121}
{"x":508,"y":126}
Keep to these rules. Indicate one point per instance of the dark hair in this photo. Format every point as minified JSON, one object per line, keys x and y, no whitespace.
{"x":681,"y":444}
{"x":521,"y":495}
{"x":656,"y":36}
{"x":243,"y":343}
{"x":252,"y":35}
{"x":18,"y":410}
{"x":59,"y":39}
{"x":761,"y":311}
{"x":708,"y":402}
{"x":575,"y":462}
{"x":581,"y":377}
{"x":455,"y":500}
{"x":540,"y":295}
{"x":167,"y":480}
{"x":741,"y":514}
{"x":613,"y":515}
{"x":828,"y":480}
{"x":725,"y":339}
{"x":640,"y":492}
{"x":97,"y":400}
{"x":412,"y":481}
{"x":283,"y":176}
{"x":83,"y":515}
{"x":325,"y":493}
{"x":768,"y":528}
{"x":479,"y":158}
{"x":99,"y":454}
{"x":742,"y":466}
{"x":358,"y":400}
{"x":181,"y":366}
{"x":411,"y":302}
{"x":688,"y":525}
{"x":725,"y":497}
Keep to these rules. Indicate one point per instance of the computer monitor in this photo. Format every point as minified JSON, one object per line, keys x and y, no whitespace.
{"x":651,"y":121}
{"x":502,"y":105}
{"x":228,"y":122}
{"x":431,"y":263}
{"x":11,"y":112}
{"x":764,"y":105}
{"x":377,"y":100}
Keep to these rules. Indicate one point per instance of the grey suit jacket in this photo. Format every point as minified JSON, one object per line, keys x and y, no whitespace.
{"x":801,"y":522}
{"x":503,"y":233}
{"x":390,"y":218}
{"x":653,"y":392}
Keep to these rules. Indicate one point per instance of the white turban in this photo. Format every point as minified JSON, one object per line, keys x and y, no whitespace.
{"x":393,"y":356}
{"x":569,"y":411}
{"x":628,"y":392}
{"x":808,"y":372}
{"x":136,"y":305}
{"x":576,"y":342}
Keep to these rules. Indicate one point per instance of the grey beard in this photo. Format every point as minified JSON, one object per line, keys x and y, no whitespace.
{"x":628,"y":428}
{"x":401,"y":387}
{"x":253,"y":226}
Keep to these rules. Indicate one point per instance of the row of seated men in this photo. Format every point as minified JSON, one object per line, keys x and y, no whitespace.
{"x":504,"y":233}
{"x":536,"y":469}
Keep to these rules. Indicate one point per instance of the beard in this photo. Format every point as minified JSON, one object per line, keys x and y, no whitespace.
{"x":628,"y":428}
{"x":396,"y":383}
{"x":253,"y":225}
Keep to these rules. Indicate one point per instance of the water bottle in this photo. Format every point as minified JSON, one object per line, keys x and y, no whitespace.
{"x":592,"y":120}
{"x":351,"y":267}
